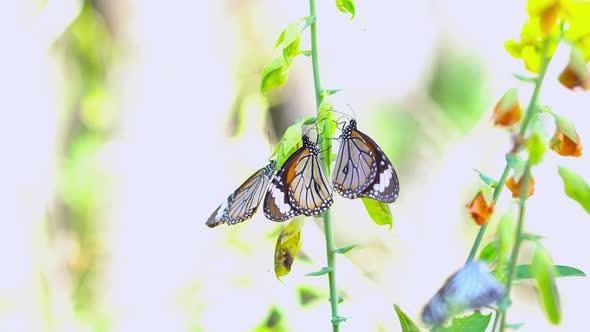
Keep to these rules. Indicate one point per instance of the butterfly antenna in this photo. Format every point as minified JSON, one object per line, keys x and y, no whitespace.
{"x":341,"y":113}
{"x":352,"y":109}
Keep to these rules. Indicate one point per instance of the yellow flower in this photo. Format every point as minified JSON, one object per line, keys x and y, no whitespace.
{"x":578,"y":17}
{"x":548,"y":12}
{"x":530,"y":46}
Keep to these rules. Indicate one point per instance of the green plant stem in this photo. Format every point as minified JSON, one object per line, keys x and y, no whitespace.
{"x":530,"y":111}
{"x":327,"y":216}
{"x":517,"y":242}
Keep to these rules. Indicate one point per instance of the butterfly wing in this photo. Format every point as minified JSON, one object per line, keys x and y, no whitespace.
{"x":385,"y":187}
{"x":276,"y":206}
{"x":309,"y":190}
{"x":355,"y":166}
{"x":243,"y":203}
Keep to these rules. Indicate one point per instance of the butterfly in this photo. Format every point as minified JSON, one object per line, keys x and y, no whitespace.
{"x":243,"y":202}
{"x":299,"y":187}
{"x":362,"y":169}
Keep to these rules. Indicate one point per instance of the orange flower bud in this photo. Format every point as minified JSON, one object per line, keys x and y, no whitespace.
{"x":564,"y":145}
{"x":575,"y":75}
{"x":507,"y":111}
{"x":571,"y":79}
{"x":479,"y":209}
{"x":516,"y":187}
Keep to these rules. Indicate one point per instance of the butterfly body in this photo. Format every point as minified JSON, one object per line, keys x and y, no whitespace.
{"x":243,"y":203}
{"x":362,"y":168}
{"x":299,"y":187}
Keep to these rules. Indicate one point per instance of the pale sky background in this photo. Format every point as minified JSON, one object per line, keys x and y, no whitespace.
{"x":172,"y":162}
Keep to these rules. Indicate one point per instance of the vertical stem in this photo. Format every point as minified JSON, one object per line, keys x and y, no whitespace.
{"x":530,"y":111}
{"x":314,"y":55}
{"x":330,"y":254}
{"x":517,"y":241}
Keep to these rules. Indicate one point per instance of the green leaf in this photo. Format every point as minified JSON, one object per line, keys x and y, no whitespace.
{"x":489,"y":252}
{"x":514,"y":326}
{"x":327,"y":127}
{"x":344,"y":250}
{"x":405,"y":321}
{"x":326,"y":93}
{"x":274,"y":74}
{"x":339,"y":320}
{"x":288,"y":244}
{"x":505,"y":233}
{"x":543,"y":272}
{"x":518,"y":166}
{"x":567,"y":127}
{"x":346,"y":6}
{"x":475,"y":322}
{"x":575,"y":187}
{"x":291,"y":140}
{"x":379,"y":212}
{"x":488,"y":194}
{"x":324,"y":270}
{"x":523,"y":272}
{"x":291,"y":41}
{"x":536,"y":148}
{"x":305,"y":52}
{"x":307,"y":21}
{"x":525,"y":79}
{"x":487,"y":180}
{"x":280,"y":39}
{"x":340,"y":299}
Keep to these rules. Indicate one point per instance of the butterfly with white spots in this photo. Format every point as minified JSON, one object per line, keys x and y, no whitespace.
{"x":299,"y":187}
{"x":362,"y":169}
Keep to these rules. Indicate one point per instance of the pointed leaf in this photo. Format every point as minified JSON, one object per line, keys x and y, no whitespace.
{"x":291,"y":140}
{"x":405,"y":321}
{"x":514,"y":326}
{"x":274,"y":74}
{"x":339,"y":320}
{"x":344,"y":250}
{"x":379,"y":212}
{"x":307,"y":21}
{"x":305,"y":52}
{"x":346,"y":6}
{"x":288,"y":244}
{"x":324,"y":270}
{"x":326,"y":126}
{"x":505,"y":233}
{"x":543,"y":272}
{"x":536,"y":147}
{"x":326,"y":93}
{"x":525,"y":79}
{"x":487,"y":179}
{"x":575,"y":187}
{"x":280,"y":39}
{"x":489,"y":252}
{"x":523,"y":272}
{"x":475,"y":322}
{"x":291,"y":41}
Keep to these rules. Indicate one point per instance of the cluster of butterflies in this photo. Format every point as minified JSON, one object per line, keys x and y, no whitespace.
{"x":300,"y":186}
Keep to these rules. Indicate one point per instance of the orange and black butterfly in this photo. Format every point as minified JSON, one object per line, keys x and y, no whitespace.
{"x":362,"y":169}
{"x":299,"y":187}
{"x":243,"y":202}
